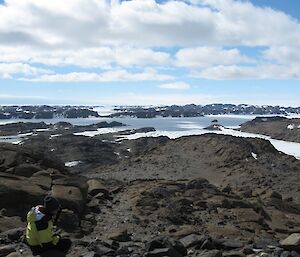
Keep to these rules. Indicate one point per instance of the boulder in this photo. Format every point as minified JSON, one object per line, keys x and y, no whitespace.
{"x":120,"y":235}
{"x":291,"y":243}
{"x":8,"y":157}
{"x":234,"y":254}
{"x":192,"y":240}
{"x":68,"y":221}
{"x":87,"y":227}
{"x":167,"y":243}
{"x":246,"y":215}
{"x":26,"y":170}
{"x":77,"y":181}
{"x":19,"y":193}
{"x":44,"y":181}
{"x":163,"y":252}
{"x":94,"y":206}
{"x":12,"y":235}
{"x":7,"y":249}
{"x":70,"y":197}
{"x":102,"y":249}
{"x":96,"y":186}
{"x":198,"y":183}
{"x":7,"y":223}
{"x":228,"y":244}
{"x":212,"y":253}
{"x":273,"y":194}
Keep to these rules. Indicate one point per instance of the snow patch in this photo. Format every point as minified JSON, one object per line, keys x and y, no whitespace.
{"x":291,"y":126}
{"x":100,"y":131}
{"x":104,"y":110}
{"x":53,"y":136}
{"x":72,"y":163}
{"x":19,"y":142}
{"x":254,"y":155}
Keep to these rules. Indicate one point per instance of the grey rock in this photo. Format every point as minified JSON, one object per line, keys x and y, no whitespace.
{"x":102,"y":250}
{"x":192,"y":240}
{"x":26,"y":170}
{"x":163,"y":252}
{"x":120,"y":235}
{"x":165,"y":242}
{"x":291,"y":243}
{"x":212,"y":253}
{"x":234,"y":254}
{"x":227,"y":244}
{"x":68,"y":220}
{"x":7,"y":249}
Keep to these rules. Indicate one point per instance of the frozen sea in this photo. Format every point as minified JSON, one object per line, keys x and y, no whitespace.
{"x":159,"y":123}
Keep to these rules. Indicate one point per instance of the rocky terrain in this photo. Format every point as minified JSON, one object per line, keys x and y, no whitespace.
{"x":209,"y":195}
{"x":46,"y":112}
{"x":275,"y":127}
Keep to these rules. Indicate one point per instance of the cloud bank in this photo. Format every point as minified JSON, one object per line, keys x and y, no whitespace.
{"x":210,"y":39}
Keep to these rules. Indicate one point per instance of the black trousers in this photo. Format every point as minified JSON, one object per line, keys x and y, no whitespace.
{"x":63,"y":245}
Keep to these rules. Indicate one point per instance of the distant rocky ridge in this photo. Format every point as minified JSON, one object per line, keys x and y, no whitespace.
{"x":46,"y":112}
{"x":192,"y":110}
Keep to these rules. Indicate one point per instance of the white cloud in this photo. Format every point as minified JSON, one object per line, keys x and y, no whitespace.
{"x":176,"y":85}
{"x":200,"y":57}
{"x":247,"y":72}
{"x":25,"y":97}
{"x":93,"y":23}
{"x":283,"y":55}
{"x":103,"y":57}
{"x":109,"y":33}
{"x":7,"y":70}
{"x":109,"y":76}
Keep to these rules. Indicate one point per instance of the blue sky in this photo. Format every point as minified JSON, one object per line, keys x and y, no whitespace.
{"x":150,"y":52}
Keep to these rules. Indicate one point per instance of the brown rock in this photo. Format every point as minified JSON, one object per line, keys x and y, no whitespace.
{"x":70,"y":197}
{"x":7,"y":223}
{"x":120,"y":234}
{"x":26,"y":170}
{"x":292,"y":242}
{"x":96,"y":186}
{"x":44,"y":181}
{"x":246,"y":215}
{"x":17,"y":191}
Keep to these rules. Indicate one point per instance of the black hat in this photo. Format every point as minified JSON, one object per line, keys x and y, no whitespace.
{"x":51,"y":204}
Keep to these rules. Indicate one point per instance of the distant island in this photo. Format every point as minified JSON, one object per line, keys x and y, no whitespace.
{"x":46,"y":112}
{"x":190,"y":110}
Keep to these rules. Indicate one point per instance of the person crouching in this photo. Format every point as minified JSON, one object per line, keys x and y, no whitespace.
{"x":39,"y":231}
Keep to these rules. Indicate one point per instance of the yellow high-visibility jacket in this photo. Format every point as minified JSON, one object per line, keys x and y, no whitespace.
{"x":39,"y":229}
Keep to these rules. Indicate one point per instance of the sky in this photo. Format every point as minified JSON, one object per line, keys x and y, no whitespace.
{"x":147,"y":52}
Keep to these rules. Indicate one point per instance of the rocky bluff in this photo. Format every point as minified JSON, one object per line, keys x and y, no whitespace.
{"x":276,"y":127}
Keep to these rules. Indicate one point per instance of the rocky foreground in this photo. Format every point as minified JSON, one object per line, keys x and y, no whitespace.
{"x":209,"y":195}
